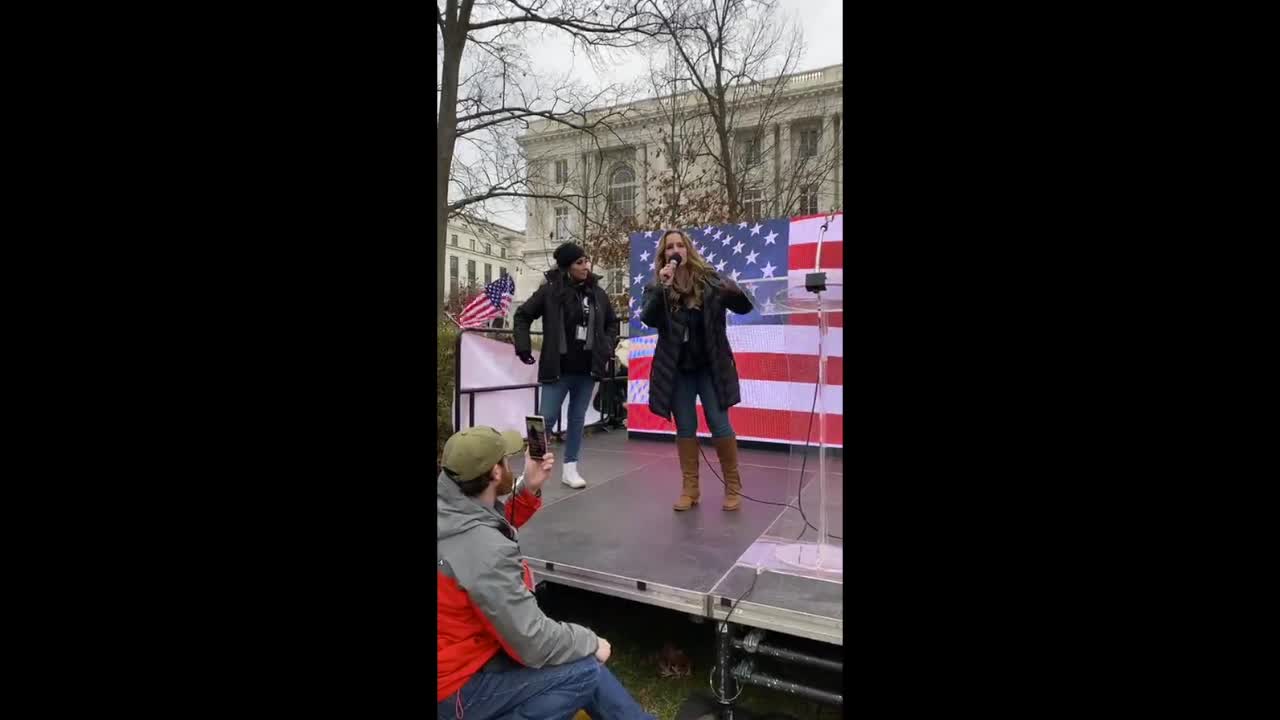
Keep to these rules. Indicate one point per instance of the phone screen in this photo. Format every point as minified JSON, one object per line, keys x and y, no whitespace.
{"x":537,"y":435}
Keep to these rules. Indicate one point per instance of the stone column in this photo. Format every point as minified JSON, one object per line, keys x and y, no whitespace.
{"x":516,"y":267}
{"x":642,"y":179}
{"x":837,"y":170}
{"x":580,"y":221}
{"x":777,"y":170}
{"x":785,"y":178}
{"x":826,"y":150}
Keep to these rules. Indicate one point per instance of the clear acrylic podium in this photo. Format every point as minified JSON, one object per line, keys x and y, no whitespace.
{"x":800,"y":547}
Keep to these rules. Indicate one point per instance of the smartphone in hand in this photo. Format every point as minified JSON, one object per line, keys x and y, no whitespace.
{"x":536,"y":429}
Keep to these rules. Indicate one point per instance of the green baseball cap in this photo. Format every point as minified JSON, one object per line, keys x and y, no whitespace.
{"x":474,"y":451}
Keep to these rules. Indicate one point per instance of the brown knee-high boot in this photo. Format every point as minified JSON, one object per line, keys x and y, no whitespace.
{"x":727,"y":450}
{"x":688,"y":449}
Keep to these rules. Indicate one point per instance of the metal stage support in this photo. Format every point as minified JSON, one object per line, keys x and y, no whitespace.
{"x":728,"y":689}
{"x":729,"y":675}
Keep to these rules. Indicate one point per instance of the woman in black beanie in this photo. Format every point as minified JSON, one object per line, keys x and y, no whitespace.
{"x":579,"y":334}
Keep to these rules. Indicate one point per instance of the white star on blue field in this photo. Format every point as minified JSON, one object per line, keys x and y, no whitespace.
{"x":741,"y":251}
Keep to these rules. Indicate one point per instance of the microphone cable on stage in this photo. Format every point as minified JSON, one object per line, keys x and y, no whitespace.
{"x":754,"y":576}
{"x":803,"y":463}
{"x":726,"y":485}
{"x":800,"y":491}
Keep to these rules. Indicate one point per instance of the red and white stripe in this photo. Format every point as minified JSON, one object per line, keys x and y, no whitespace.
{"x":777,"y":374}
{"x":803,"y":251}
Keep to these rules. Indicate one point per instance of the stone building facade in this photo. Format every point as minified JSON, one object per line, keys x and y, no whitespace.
{"x":477,"y":252}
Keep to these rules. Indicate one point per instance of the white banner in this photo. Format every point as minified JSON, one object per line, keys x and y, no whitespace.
{"x":490,"y":363}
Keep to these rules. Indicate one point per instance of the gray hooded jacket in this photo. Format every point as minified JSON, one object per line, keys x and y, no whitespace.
{"x":476,"y":552}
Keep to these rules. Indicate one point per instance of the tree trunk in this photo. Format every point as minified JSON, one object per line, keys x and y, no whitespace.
{"x":726,"y":154}
{"x":455,"y":39}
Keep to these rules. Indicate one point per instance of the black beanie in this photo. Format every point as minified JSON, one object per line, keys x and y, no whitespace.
{"x":567,"y":254}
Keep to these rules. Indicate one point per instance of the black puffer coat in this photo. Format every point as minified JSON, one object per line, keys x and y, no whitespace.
{"x":548,"y":303}
{"x":719,"y":294}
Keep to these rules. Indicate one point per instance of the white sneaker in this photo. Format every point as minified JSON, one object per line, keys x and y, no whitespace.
{"x":571,"y":477}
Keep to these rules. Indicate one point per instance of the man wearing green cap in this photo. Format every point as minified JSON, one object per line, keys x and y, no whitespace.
{"x":497,"y":654}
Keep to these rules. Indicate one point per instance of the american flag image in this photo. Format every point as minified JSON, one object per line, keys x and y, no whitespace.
{"x":776,"y":354}
{"x":490,"y":304}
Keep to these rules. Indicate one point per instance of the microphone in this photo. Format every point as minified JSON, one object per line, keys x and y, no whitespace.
{"x":673,"y":263}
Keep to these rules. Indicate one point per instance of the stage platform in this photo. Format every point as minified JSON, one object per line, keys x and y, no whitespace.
{"x":619,"y":535}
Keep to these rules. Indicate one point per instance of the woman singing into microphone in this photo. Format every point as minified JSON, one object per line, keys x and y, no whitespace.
{"x":686,"y":305}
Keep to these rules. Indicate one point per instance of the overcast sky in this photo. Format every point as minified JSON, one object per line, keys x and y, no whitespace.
{"x":820,"y":21}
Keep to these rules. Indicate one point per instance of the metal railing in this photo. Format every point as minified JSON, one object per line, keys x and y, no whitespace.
{"x":821,"y":76}
{"x":459,"y":391}
{"x":608,"y":412}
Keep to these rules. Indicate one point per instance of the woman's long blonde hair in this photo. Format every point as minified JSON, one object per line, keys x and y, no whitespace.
{"x":685,"y":286}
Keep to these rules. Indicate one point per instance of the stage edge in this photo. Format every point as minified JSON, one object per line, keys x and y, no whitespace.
{"x":788,"y":622}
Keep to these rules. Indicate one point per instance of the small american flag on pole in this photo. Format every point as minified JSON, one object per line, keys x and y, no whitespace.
{"x":493,"y":302}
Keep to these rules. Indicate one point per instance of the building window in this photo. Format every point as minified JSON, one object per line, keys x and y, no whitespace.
{"x":453,"y":275}
{"x":502,"y":252}
{"x":622,"y":193}
{"x":562,"y":172}
{"x":809,"y":142}
{"x":673,"y":153}
{"x":502,"y":272}
{"x":473,"y":243}
{"x":749,"y":150}
{"x":488,"y":248}
{"x":809,"y":200}
{"x":488,"y":273}
{"x":753,"y":203}
{"x":471,"y":272}
{"x":454,"y":241}
{"x":562,"y":223}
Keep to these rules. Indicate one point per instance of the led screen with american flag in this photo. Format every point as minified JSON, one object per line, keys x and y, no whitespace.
{"x":776,"y":354}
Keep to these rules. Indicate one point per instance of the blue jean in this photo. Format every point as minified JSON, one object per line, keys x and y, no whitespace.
{"x":698,"y":384}
{"x":578,"y":388}
{"x":555,"y":692}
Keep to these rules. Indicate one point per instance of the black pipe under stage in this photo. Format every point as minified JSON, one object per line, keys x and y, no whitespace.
{"x":619,"y":535}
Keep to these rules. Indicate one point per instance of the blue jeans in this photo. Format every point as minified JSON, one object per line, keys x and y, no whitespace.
{"x":555,"y":692}
{"x":698,"y":383}
{"x":578,"y":388}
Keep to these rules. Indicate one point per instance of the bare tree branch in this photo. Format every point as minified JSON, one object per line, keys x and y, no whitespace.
{"x":626,"y":27}
{"x":498,"y":95}
{"x":725,"y":47}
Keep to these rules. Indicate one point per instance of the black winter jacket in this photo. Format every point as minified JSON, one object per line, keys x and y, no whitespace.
{"x":719,"y":294}
{"x":547,"y":303}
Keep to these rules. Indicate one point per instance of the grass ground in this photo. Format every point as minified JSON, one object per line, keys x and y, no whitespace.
{"x":637,"y":632}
